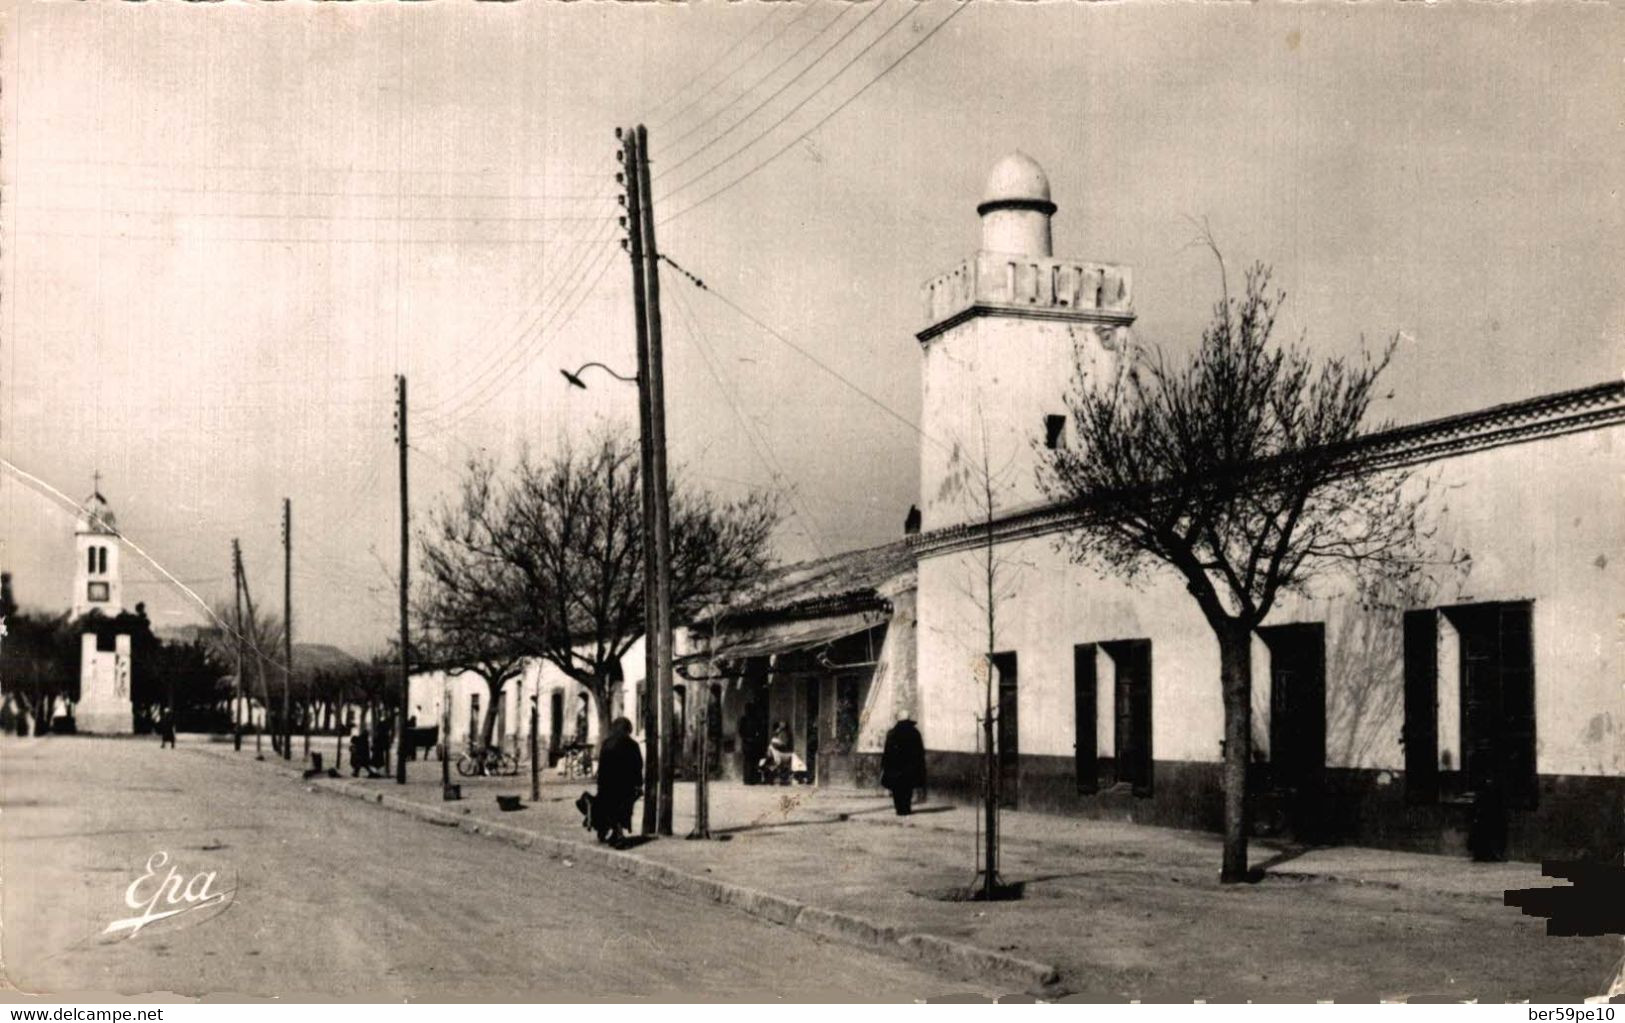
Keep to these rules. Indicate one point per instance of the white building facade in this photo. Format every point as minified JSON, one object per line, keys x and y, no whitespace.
{"x":1377,"y":715}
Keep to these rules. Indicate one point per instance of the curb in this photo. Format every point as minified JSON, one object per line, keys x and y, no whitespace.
{"x":929,"y":949}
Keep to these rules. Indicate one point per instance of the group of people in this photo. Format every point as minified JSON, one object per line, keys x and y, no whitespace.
{"x":620,"y":773}
{"x":370,"y":754}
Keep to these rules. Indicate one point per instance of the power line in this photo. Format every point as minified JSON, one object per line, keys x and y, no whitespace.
{"x":498,"y":366}
{"x":777,"y":92}
{"x":301,"y":169}
{"x":124,"y":186}
{"x":539,"y":279}
{"x":814,"y":359}
{"x":579,"y":247}
{"x":839,"y":14}
{"x":672,"y":96}
{"x":360,"y":217}
{"x":172,"y":238}
{"x":758,"y":443}
{"x":538,"y":343}
{"x":962,"y":5}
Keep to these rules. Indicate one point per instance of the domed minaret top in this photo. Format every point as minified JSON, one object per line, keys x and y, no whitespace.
{"x":1016,"y":208}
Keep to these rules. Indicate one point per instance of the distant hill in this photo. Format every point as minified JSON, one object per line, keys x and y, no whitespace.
{"x":322,"y":657}
{"x":184,"y":633}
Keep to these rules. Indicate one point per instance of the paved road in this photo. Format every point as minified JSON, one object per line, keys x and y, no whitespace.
{"x":333,"y":898}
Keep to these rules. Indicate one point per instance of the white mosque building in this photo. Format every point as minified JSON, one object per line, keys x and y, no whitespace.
{"x":1386,"y":722}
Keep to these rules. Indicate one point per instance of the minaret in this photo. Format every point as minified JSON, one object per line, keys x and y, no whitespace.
{"x":104,"y":705}
{"x":1005,"y":331}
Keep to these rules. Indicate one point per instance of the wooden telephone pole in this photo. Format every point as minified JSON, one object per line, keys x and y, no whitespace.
{"x":660,"y":768}
{"x":259,"y":659}
{"x":400,"y":438}
{"x":662,"y":503}
{"x":237,"y":645}
{"x":287,"y":628}
{"x":651,"y":654}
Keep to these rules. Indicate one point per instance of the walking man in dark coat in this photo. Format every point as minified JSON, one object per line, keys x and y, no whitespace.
{"x":902,"y":764}
{"x":620,"y":782}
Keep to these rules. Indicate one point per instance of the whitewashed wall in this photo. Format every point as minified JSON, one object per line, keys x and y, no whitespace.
{"x":1542,"y":521}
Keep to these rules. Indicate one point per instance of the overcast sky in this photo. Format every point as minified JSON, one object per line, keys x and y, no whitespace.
{"x":226,"y":226}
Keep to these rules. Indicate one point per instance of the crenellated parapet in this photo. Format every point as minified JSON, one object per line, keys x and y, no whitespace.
{"x":1015,"y":284}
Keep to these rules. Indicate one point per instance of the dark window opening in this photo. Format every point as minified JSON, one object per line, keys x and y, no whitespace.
{"x":90,"y":560}
{"x":1131,"y":662}
{"x":101,"y":560}
{"x":1297,"y":750}
{"x":1053,"y":425}
{"x":555,"y":725}
{"x":1497,"y":702}
{"x":1420,"y":735}
{"x":1085,"y":750}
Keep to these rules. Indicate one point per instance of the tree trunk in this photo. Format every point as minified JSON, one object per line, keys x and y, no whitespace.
{"x":489,"y":725}
{"x":1236,"y":677}
{"x":603,"y":693}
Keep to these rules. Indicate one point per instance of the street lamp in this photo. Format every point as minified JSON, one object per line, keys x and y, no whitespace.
{"x":657,"y":622}
{"x":576,"y":381}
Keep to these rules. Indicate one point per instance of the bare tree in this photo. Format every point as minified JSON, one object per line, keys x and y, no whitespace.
{"x":1239,"y":469}
{"x":260,"y":634}
{"x":989,"y":581}
{"x":560,"y":543}
{"x":470,"y":606}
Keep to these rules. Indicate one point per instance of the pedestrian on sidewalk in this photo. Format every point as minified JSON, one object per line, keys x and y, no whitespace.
{"x":166,"y":731}
{"x":902,"y":765}
{"x":620,"y":782}
{"x":361,"y":755}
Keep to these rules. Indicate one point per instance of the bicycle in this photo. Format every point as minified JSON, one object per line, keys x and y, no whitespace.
{"x":487,"y":763}
{"x":576,"y":762}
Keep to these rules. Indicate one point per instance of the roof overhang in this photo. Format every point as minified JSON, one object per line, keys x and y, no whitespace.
{"x":785,"y":637}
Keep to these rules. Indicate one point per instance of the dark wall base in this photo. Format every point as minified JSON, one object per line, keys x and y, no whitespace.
{"x":1577,"y":817}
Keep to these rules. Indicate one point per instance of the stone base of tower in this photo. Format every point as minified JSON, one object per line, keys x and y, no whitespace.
{"x":104,"y":720}
{"x":104,"y":706}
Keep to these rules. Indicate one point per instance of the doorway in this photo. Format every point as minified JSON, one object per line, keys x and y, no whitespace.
{"x":555,"y":726}
{"x":1131,"y":664}
{"x":753,"y":730}
{"x":1007,"y":730}
{"x":1298,"y":722}
{"x":812,"y":687}
{"x":1497,"y":718}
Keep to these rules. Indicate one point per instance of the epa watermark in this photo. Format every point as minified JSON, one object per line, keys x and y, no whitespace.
{"x":156,"y":896}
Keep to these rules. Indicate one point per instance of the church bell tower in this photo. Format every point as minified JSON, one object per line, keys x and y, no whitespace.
{"x":96,"y":577}
{"x":104,"y":706}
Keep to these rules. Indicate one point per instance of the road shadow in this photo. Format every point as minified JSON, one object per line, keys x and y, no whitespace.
{"x":1260,"y":871}
{"x":839,"y":818}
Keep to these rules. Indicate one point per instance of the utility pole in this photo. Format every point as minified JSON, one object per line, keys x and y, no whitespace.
{"x":287,"y":628}
{"x":535,"y":767}
{"x":662,"y":508}
{"x":400,"y":437}
{"x":651,"y":653}
{"x":445,"y":737}
{"x":237,"y":646}
{"x":259,"y":663}
{"x":702,"y":772}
